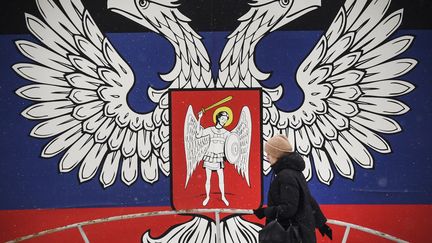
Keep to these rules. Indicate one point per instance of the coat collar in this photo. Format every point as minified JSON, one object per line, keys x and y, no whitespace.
{"x":291,"y":161}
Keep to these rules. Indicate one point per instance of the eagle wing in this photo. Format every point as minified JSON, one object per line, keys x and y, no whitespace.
{"x":351,"y":83}
{"x":80,"y":88}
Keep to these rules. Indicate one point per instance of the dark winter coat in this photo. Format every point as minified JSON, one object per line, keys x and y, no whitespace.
{"x":290,"y":199}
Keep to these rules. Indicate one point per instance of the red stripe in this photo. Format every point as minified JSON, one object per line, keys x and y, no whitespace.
{"x":407,"y":222}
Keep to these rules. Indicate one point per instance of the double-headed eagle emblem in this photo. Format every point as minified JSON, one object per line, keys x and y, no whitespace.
{"x":351,"y":81}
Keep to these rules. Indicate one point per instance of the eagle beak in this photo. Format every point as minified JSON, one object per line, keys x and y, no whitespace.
{"x":299,"y":8}
{"x":128,"y":9}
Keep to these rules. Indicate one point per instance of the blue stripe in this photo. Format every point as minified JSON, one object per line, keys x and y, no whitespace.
{"x":27,"y":181}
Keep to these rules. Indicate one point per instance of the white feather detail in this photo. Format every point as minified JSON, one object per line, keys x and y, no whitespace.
{"x":155,"y":138}
{"x":56,"y":19}
{"x":389,"y":70}
{"x":40,"y":74}
{"x":344,"y":107}
{"x":76,"y":153}
{"x":383,"y":106}
{"x":341,"y":46}
{"x":347,"y":78}
{"x":314,"y":135}
{"x":43,"y":92}
{"x":173,"y":74}
{"x":369,"y":18}
{"x":291,"y":135}
{"x":346,"y":62}
{"x":87,"y":110}
{"x":54,"y":126}
{"x":90,"y":51}
{"x":91,"y":31}
{"x":266,"y":167}
{"x":165,"y":119}
{"x":149,"y":169}
{"x":164,"y":166}
{"x":104,"y":131}
{"x":110,"y":168}
{"x":92,"y":124}
{"x":318,"y":75}
{"x":74,"y":9}
{"x":48,"y":110}
{"x":164,"y":133}
{"x":47,"y":36}
{"x":129,"y":143}
{"x":199,"y":229}
{"x":84,"y":65}
{"x":255,"y":72}
{"x":356,"y":150}
{"x":129,"y":172}
{"x":336,"y":28}
{"x":165,"y":152}
{"x":311,"y":61}
{"x":369,"y":138}
{"x":225,"y":57}
{"x":387,"y":88}
{"x":326,"y":128}
{"x":82,"y":81}
{"x":385,"y":52}
{"x":116,"y":62}
{"x":44,"y":56}
{"x":322,"y":166}
{"x":92,"y":161}
{"x":303,"y":145}
{"x":144,"y":144}
{"x":380,"y":32}
{"x":79,"y":96}
{"x":353,"y":10}
{"x":116,"y":138}
{"x":340,"y":158}
{"x":349,"y":93}
{"x":60,"y":143}
{"x":267,"y":131}
{"x":377,"y":122}
{"x":157,"y":116}
{"x":339,"y":121}
{"x":307,"y":172}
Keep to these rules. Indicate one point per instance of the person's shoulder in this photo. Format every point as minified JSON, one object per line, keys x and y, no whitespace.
{"x":287,"y":176}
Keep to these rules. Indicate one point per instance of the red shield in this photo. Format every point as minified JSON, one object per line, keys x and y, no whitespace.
{"x":191,"y":194}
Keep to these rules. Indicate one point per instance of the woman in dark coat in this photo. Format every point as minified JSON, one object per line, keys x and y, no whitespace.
{"x":289,"y":197}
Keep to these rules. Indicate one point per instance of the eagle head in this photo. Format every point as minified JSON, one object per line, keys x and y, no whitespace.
{"x":284,"y":11}
{"x":148,"y":13}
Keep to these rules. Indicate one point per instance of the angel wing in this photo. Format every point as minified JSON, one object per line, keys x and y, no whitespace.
{"x":80,"y":90}
{"x":195,"y":147}
{"x":350,"y":82}
{"x":240,"y":149}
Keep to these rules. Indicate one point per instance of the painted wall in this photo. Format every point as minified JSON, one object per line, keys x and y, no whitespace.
{"x":97,"y":142}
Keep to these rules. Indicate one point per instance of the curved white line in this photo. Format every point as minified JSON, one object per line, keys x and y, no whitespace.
{"x":193,"y":211}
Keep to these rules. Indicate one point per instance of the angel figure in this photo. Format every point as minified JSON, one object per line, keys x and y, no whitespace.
{"x":215,"y":144}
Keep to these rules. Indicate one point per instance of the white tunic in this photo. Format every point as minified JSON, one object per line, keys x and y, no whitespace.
{"x":214,"y":156}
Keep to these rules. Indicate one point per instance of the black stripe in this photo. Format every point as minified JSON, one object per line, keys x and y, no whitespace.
{"x":212,"y":15}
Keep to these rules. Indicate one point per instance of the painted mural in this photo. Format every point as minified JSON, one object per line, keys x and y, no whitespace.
{"x":153,"y":110}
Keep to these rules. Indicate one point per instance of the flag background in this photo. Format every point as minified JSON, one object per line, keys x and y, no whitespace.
{"x":394,"y":197}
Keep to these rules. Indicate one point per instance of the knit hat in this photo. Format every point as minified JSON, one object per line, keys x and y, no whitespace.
{"x":277,"y":146}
